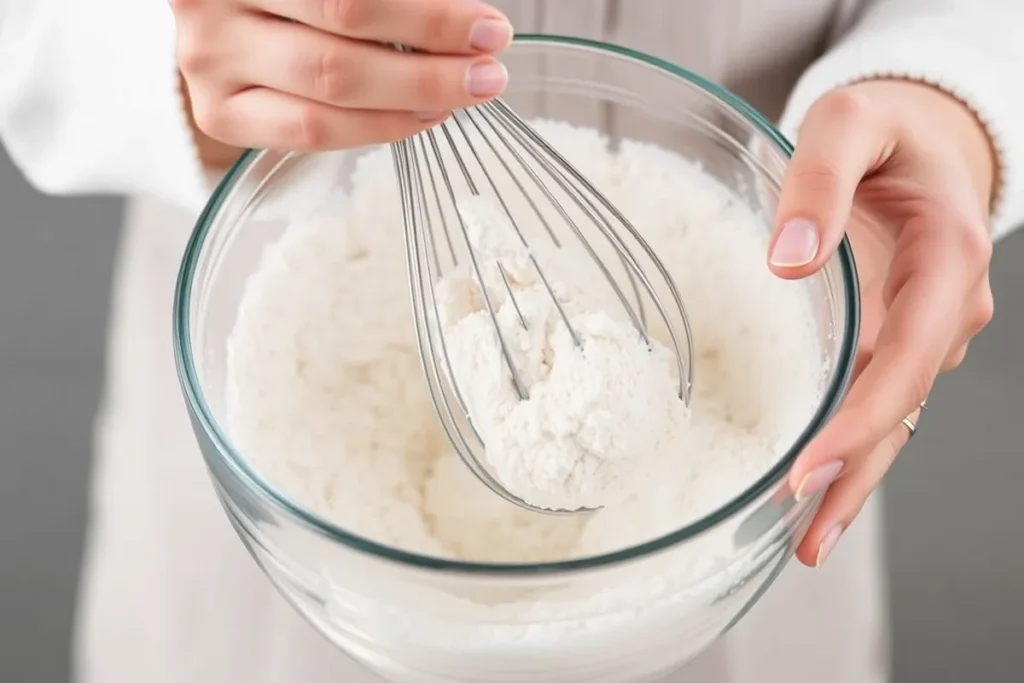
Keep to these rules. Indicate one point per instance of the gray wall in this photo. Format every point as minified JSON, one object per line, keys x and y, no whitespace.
{"x":55,"y":258}
{"x":955,"y":515}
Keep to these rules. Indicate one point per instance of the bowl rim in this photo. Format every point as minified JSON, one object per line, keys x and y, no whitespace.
{"x":203,"y":416}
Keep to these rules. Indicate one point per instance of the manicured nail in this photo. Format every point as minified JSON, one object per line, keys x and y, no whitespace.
{"x":490,"y":35}
{"x":797,"y":244}
{"x":486,"y":79}
{"x":428,"y":116}
{"x":828,"y":544}
{"x":818,"y":480}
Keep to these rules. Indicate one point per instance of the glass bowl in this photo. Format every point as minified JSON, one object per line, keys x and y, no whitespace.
{"x":422,"y":619}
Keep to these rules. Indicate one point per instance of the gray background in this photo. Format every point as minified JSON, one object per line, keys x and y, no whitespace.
{"x":956,"y":553}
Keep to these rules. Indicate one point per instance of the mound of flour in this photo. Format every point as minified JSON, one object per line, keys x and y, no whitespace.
{"x":325,"y":394}
{"x":601,"y":403}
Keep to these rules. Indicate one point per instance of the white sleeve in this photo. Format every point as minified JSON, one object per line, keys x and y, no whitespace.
{"x":973,"y":49}
{"x":89,"y":99}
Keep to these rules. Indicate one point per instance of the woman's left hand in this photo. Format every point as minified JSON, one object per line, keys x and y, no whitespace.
{"x":906,"y":171}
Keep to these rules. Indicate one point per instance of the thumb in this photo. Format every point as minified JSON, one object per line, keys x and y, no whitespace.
{"x":840,"y":142}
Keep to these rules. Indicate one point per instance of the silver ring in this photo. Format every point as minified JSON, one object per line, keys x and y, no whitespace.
{"x":910,"y":424}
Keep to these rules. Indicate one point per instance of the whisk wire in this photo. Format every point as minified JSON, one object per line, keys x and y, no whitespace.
{"x":407,"y":153}
{"x":540,"y":215}
{"x":637,"y":322}
{"x":473,"y":190}
{"x":531,"y":141}
{"x":488,"y":303}
{"x":434,"y":197}
{"x":519,"y":233}
{"x":428,"y":329}
{"x":426,"y":213}
{"x":429,"y":334}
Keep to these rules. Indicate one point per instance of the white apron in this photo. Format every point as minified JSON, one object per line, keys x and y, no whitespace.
{"x":169,"y":595}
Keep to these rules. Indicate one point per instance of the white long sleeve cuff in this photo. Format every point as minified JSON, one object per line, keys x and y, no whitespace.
{"x":80,"y":113}
{"x":972,"y":49}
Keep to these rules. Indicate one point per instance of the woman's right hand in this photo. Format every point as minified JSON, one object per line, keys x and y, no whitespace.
{"x":312,"y":75}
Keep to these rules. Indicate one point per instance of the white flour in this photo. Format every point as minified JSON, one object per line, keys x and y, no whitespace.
{"x":600,"y":407}
{"x":326,"y":398}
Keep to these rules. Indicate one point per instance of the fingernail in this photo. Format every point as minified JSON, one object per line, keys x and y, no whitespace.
{"x":490,"y":35}
{"x":797,"y":244}
{"x":428,"y":116}
{"x":486,"y":79}
{"x":828,"y":544}
{"x":818,"y":480}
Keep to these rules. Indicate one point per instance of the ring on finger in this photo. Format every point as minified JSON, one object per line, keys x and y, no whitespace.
{"x":911,"y":424}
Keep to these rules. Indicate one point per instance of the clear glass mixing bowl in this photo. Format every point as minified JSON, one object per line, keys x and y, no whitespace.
{"x":425,"y":619}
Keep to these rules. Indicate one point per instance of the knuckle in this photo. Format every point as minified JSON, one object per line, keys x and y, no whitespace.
{"x":920,"y":386}
{"x":441,"y":25}
{"x":194,"y":54}
{"x":816,"y":175}
{"x":181,"y":6}
{"x":954,"y":359}
{"x":210,"y":117}
{"x":984,"y":310}
{"x":914,"y":387}
{"x":432,"y":87}
{"x":976,"y":244}
{"x":333,"y":77}
{"x":308,"y":131}
{"x":844,"y":105}
{"x":346,"y":15}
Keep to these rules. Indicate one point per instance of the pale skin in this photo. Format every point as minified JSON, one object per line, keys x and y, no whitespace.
{"x":902,"y":168}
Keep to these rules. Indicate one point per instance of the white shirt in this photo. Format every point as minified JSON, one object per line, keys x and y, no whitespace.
{"x":89,"y":103}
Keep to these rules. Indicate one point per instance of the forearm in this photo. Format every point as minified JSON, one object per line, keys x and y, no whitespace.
{"x":970,"y":49}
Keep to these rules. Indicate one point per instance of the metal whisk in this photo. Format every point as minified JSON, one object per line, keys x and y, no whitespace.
{"x":470,"y":153}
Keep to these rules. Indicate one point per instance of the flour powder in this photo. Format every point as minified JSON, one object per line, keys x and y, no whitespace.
{"x":601,"y":405}
{"x":326,"y":399}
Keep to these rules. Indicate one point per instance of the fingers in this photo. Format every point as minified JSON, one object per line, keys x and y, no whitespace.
{"x":913,"y":343}
{"x":440,"y":26}
{"x":327,"y":70}
{"x":978,"y":314}
{"x":980,"y":309}
{"x":847,"y":496}
{"x":298,"y":60}
{"x":840,"y":142}
{"x":937,"y":298}
{"x":955,"y":358}
{"x":260,"y":117}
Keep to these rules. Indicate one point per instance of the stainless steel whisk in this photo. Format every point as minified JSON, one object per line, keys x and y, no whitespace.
{"x":429,"y":196}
